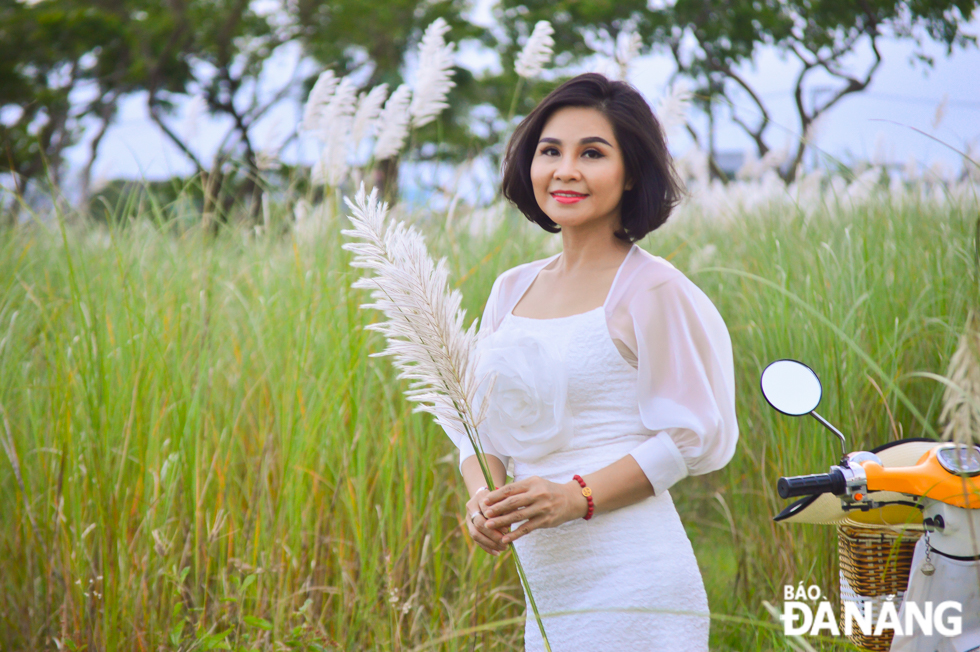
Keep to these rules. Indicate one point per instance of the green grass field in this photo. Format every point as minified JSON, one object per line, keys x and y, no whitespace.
{"x":201,"y":455}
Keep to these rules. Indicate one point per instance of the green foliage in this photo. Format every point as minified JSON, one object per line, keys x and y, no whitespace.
{"x":373,"y":34}
{"x":207,"y":457}
{"x":730,"y":33}
{"x":54,"y":50}
{"x":712,"y":40}
{"x":51,"y":49}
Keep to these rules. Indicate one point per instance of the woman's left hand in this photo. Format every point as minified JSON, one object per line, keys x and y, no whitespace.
{"x":540,"y":502}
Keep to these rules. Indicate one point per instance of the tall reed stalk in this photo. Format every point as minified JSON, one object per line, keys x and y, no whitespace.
{"x":201,"y":451}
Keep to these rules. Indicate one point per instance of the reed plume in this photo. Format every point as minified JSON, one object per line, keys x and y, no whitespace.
{"x":961,"y":400}
{"x":434,"y":75}
{"x":333,"y":127}
{"x":536,"y":52}
{"x":628,"y":45}
{"x":394,"y":124}
{"x":532,"y":59}
{"x":424,"y":329}
{"x":318,"y":99}
{"x":366,"y":116}
{"x":673,"y":107}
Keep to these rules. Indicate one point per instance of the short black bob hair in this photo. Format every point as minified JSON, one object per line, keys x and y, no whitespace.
{"x":656,"y":188}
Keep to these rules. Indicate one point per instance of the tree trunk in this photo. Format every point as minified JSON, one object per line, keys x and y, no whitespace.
{"x":386,"y":179}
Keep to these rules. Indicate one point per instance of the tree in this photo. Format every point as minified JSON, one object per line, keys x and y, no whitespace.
{"x":225,"y":45}
{"x":369,"y":39}
{"x":54,"y":52}
{"x":821,"y":35}
{"x":711,"y":41}
{"x":64,"y":63}
{"x":47,"y":52}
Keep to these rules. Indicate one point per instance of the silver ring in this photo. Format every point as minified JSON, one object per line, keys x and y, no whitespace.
{"x":473,"y":516}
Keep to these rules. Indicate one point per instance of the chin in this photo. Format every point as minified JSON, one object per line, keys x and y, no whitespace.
{"x":570,"y":224}
{"x":567,"y":216}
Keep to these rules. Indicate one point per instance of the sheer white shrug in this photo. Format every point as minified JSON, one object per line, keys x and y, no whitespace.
{"x":666,"y":327}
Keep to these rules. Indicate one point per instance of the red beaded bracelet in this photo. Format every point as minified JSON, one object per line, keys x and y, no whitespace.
{"x":588,"y":496}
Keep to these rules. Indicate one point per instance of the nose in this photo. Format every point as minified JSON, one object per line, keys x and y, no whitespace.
{"x":567,"y":169}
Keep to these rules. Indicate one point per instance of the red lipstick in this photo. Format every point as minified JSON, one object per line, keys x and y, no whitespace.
{"x":568,"y":196}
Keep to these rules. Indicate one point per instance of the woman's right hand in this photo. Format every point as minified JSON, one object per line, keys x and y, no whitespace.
{"x":486,"y":538}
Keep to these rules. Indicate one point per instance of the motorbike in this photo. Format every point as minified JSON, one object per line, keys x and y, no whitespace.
{"x":882,"y":500}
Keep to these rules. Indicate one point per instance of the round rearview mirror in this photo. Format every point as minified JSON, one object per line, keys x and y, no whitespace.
{"x":791,"y":387}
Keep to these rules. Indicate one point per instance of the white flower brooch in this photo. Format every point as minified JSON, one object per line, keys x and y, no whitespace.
{"x":526,"y":416}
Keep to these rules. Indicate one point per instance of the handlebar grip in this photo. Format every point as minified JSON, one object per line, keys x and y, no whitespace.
{"x":808,"y":485}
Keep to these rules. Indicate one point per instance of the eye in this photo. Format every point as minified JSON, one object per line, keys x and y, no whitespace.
{"x":545,"y":150}
{"x":597,"y":153}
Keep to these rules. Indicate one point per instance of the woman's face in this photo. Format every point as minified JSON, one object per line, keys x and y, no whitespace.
{"x":577,"y":171}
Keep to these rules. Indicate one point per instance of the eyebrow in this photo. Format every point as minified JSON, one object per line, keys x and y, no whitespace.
{"x":584,"y":141}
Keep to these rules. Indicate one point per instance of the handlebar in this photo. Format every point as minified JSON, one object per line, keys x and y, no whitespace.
{"x":808,"y":485}
{"x":862,"y":473}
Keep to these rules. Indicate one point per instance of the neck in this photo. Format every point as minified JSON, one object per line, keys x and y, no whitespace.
{"x":589,"y":251}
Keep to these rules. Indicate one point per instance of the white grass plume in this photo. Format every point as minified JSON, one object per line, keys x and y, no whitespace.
{"x":331,"y":167}
{"x":339,"y":111}
{"x":628,"y":46}
{"x":425,"y":325}
{"x":434,"y":75}
{"x":537,"y":51}
{"x":368,"y":109}
{"x":334,"y":129}
{"x":961,"y":400}
{"x":673,"y":106}
{"x":267,"y":157}
{"x":319,"y":97}
{"x":393,"y":123}
{"x":424,"y":328}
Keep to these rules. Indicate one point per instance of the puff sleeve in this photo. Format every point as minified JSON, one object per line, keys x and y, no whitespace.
{"x":462,"y":442}
{"x":685,"y":383}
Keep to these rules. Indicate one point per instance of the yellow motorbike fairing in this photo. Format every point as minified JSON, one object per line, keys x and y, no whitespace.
{"x":927,"y":478}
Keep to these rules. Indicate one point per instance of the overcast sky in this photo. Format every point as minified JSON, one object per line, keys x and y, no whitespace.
{"x":859,"y":128}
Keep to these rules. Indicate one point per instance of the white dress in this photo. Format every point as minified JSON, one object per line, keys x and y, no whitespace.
{"x":574,"y":394}
{"x":638,"y":557}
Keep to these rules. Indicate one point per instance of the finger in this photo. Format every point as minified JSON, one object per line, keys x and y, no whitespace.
{"x":485,"y":543}
{"x":510,"y":504}
{"x":521,"y":514}
{"x":523,"y":530}
{"x":494,"y":534}
{"x":489,"y":540}
{"x":478,"y":494}
{"x":475,"y":505}
{"x":475,"y":521}
{"x":506,"y":491}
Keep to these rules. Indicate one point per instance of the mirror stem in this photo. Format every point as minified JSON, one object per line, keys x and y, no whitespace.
{"x":826,"y":424}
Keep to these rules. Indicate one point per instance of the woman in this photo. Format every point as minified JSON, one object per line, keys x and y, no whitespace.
{"x":613,"y":380}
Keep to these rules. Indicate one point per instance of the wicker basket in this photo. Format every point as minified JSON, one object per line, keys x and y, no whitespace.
{"x":874,"y":567}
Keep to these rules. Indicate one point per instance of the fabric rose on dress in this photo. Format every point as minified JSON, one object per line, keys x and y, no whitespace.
{"x":526,"y":416}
